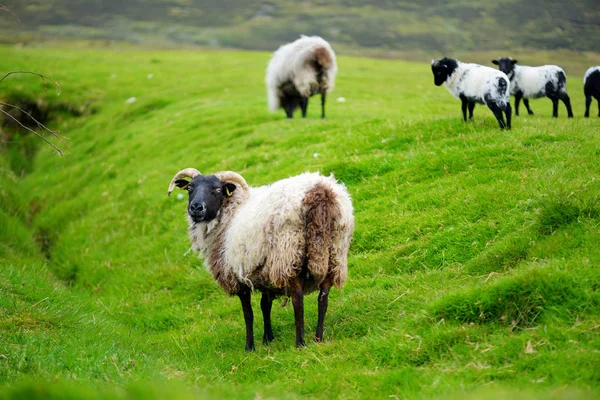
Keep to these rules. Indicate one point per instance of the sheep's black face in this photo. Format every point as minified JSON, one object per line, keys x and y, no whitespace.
{"x":506,"y":65}
{"x":442,"y":69}
{"x":206,"y":195}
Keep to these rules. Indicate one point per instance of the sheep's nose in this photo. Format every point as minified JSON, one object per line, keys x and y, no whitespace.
{"x":197,"y":207}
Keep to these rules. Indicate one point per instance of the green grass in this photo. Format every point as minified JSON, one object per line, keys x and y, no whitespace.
{"x":473,"y":270}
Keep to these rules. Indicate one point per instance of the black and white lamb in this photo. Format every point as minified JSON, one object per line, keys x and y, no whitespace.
{"x":287,"y":238}
{"x":474,"y":83}
{"x":591,"y":88}
{"x":299,"y":70}
{"x":535,"y":82}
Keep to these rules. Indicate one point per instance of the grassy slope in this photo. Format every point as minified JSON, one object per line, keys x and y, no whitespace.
{"x":470,"y":242}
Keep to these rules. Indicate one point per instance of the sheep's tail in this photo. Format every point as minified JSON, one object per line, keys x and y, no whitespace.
{"x":323,"y":56}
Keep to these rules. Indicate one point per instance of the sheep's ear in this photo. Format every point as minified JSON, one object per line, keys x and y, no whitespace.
{"x":514,"y":61}
{"x":182,"y":183}
{"x":495,"y":62}
{"x":228,"y":188}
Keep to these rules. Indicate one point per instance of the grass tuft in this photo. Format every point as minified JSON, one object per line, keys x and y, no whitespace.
{"x":518,"y":301}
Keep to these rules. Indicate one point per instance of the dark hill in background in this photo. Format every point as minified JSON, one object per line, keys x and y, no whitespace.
{"x":430,"y":25}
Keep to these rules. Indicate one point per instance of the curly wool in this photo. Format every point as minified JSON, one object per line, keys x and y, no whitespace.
{"x":262,"y":236}
{"x":294,"y":62}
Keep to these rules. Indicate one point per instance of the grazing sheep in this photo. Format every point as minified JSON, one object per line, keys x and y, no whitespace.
{"x":299,"y":70}
{"x":535,"y":82}
{"x":591,"y":88}
{"x":474,"y":83}
{"x":287,"y":238}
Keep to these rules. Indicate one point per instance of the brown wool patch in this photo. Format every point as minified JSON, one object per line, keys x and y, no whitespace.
{"x":323,"y":57}
{"x":321,"y":212}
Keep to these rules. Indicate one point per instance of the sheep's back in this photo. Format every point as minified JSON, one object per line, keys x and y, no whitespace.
{"x":289,"y":62}
{"x":532,"y":80}
{"x":475,"y":81}
{"x":266,"y":236}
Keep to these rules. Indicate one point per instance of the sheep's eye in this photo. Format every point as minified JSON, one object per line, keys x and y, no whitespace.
{"x":218,"y":190}
{"x":189,"y":188}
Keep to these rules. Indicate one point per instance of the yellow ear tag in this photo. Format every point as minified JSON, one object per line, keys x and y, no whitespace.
{"x":227,"y":191}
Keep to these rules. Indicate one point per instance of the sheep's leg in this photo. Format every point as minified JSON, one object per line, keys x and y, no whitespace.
{"x":244,"y":295}
{"x":518,"y":97}
{"x":497,"y":113}
{"x":464,"y":105}
{"x":323,"y":302}
{"x":508,"y":112}
{"x":565,"y":99}
{"x":289,"y":108}
{"x":588,"y":103}
{"x":303,"y":105}
{"x":298,"y":302}
{"x":322,"y":105}
{"x":529,"y":110}
{"x":598,"y":100}
{"x":554,"y":106}
{"x":266,"y":302}
{"x":471,"y":108}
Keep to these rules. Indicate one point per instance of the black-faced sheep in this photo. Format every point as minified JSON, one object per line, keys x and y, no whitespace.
{"x":299,"y":70}
{"x":288,"y":238}
{"x":474,"y":83}
{"x":535,"y":82}
{"x":591,"y":88}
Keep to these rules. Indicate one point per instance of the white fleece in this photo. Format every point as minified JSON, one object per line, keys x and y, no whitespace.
{"x":532,"y":80}
{"x":267,"y":230}
{"x":475,"y":81}
{"x":289,"y":63}
{"x":590,"y":71}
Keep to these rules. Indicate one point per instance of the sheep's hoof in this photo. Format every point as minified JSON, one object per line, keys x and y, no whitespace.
{"x":318,"y":339}
{"x":300,"y":344}
{"x":250,"y":348}
{"x":530,"y":112}
{"x":268,"y":339}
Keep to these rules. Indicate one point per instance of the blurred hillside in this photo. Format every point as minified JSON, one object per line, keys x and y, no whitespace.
{"x":386,"y":25}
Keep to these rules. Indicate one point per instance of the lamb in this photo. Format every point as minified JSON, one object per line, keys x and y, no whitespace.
{"x":287,"y":238}
{"x":535,"y":82}
{"x":591,"y":88}
{"x":299,"y":70}
{"x":474,"y":83}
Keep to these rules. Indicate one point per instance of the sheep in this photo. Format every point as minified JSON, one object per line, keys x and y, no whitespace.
{"x":287,"y":238}
{"x":535,"y":82}
{"x":474,"y":83}
{"x":299,"y":70}
{"x":591,"y":88}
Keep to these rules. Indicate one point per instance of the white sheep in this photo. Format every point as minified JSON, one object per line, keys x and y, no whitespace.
{"x":591,"y":88}
{"x":535,"y":82}
{"x":299,"y":70}
{"x":474,"y":83}
{"x":288,"y":238}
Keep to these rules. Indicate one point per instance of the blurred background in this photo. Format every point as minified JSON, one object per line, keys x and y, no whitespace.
{"x":379,"y":27}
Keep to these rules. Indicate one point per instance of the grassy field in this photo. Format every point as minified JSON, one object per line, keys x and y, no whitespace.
{"x":474,"y":270}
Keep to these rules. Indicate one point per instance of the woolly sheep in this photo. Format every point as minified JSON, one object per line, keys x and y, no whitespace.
{"x":287,"y":238}
{"x":535,"y":82}
{"x":474,"y":83}
{"x":299,"y":70}
{"x":591,"y":88}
